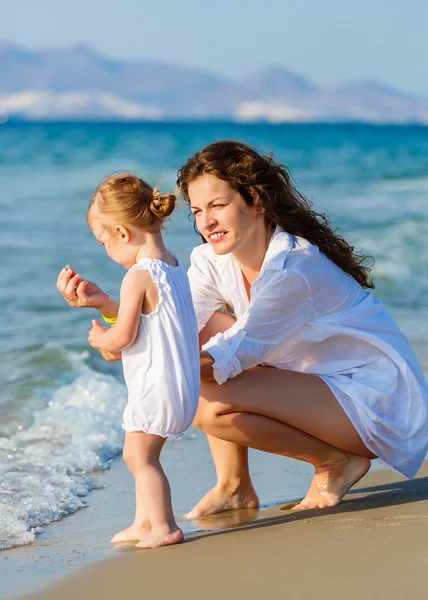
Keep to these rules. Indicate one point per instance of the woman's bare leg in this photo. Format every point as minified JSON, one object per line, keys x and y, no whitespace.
{"x":234,"y":488}
{"x":299,"y":418}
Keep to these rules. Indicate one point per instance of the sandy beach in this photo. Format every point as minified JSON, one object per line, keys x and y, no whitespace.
{"x":374,"y":543}
{"x":61,"y":403}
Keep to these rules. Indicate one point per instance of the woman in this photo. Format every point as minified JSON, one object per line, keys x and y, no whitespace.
{"x":345,"y":386}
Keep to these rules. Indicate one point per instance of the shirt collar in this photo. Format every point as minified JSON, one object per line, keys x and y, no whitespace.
{"x":280,"y":245}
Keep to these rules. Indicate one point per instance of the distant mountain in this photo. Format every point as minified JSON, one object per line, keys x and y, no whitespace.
{"x":277,"y":81}
{"x":80,"y":83}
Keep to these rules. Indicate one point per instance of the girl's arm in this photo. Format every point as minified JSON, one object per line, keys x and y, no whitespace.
{"x":123,"y":332}
{"x":80,"y":293}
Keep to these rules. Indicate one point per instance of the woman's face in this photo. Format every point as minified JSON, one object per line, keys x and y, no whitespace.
{"x":222,"y":215}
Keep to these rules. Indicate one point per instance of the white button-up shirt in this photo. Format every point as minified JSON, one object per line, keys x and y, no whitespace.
{"x":305,"y":314}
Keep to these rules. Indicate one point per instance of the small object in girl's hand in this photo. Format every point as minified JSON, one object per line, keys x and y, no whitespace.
{"x":67,"y":266}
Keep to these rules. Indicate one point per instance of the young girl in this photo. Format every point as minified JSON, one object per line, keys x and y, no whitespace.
{"x":156,"y":333}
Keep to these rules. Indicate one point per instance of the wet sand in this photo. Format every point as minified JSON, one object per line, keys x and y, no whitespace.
{"x":65,"y":547}
{"x":374,"y":543}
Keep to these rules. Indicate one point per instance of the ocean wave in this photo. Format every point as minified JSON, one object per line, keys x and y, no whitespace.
{"x":400,"y":270}
{"x":405,"y":184}
{"x":400,"y":247}
{"x":45,"y":469}
{"x":30,"y":373}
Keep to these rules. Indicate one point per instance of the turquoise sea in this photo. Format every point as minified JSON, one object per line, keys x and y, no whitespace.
{"x":60,"y":403}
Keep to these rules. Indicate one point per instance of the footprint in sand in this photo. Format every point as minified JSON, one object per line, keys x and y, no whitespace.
{"x":378,"y":522}
{"x":398,"y":520}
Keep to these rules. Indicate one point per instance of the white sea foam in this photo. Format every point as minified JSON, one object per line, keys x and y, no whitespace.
{"x":400,"y":250}
{"x":414,"y":184}
{"x":44,"y":470}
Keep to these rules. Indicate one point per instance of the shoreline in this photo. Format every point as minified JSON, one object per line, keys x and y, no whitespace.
{"x":374,"y":542}
{"x":66,"y":546}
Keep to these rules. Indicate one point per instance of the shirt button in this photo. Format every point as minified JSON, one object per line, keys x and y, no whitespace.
{"x":241,"y":334}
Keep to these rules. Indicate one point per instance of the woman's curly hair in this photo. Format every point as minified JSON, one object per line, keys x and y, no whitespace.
{"x":264,"y":183}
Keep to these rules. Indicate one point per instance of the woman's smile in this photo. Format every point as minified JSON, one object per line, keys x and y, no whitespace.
{"x":216,"y":237}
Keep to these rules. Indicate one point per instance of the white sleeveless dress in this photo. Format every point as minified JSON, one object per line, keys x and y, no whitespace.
{"x":161,"y":367}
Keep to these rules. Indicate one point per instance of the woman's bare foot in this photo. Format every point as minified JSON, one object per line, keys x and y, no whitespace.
{"x":157,"y":539}
{"x":134,"y":532}
{"x":331,"y":482}
{"x":218,"y":500}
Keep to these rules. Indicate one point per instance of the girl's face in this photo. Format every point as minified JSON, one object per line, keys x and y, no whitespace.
{"x":115,"y":243}
{"x":222,"y":216}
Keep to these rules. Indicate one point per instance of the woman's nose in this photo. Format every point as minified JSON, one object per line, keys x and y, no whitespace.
{"x":207,"y":221}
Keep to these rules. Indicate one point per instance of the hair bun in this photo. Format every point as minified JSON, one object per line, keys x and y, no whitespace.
{"x":162,"y":205}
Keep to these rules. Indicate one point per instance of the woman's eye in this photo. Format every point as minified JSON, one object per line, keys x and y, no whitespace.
{"x":196,"y":212}
{"x":218,"y":205}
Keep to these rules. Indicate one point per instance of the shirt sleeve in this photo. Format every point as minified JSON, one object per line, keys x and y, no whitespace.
{"x":206,"y":297}
{"x":281,"y":306}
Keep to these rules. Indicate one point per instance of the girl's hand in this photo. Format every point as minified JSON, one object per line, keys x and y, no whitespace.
{"x":80,"y":292}
{"x":96,"y":334}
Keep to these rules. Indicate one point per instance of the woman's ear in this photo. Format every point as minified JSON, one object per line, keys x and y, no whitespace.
{"x":123,"y":233}
{"x":260,"y":209}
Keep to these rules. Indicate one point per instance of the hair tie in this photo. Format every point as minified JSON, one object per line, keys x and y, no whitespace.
{"x":157,"y":199}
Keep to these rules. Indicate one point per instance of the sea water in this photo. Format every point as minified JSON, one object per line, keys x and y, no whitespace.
{"x":60,"y":403}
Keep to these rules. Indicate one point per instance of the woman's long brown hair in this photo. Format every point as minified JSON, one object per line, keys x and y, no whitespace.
{"x":264,"y":183}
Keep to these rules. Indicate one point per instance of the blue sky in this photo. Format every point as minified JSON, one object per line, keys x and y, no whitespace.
{"x":328,"y":41}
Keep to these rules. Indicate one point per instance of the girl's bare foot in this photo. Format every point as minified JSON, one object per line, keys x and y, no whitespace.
{"x":218,"y":500}
{"x":331,"y":482}
{"x":157,"y":539}
{"x":135,"y":532}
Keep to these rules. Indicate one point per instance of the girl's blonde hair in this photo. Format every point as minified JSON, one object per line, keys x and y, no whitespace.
{"x":131,"y":201}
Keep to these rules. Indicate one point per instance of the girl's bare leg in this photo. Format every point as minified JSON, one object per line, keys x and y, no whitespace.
{"x":142,"y":457}
{"x":140,"y":526}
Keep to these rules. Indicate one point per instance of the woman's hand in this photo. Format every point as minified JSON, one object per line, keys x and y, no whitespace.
{"x":207,"y":361}
{"x":110,"y":356}
{"x":80,"y":292}
{"x":96,"y":334}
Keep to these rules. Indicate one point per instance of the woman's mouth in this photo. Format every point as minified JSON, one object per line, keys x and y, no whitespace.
{"x":216,"y":237}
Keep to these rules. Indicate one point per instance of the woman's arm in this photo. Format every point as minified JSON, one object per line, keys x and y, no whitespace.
{"x":281,"y":305}
{"x":205,"y":295}
{"x":123,"y":332}
{"x":110,"y":356}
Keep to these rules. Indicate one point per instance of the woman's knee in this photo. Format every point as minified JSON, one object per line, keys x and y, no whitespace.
{"x":208,"y":414}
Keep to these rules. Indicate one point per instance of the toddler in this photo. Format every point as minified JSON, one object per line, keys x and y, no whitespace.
{"x":156,"y":334}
